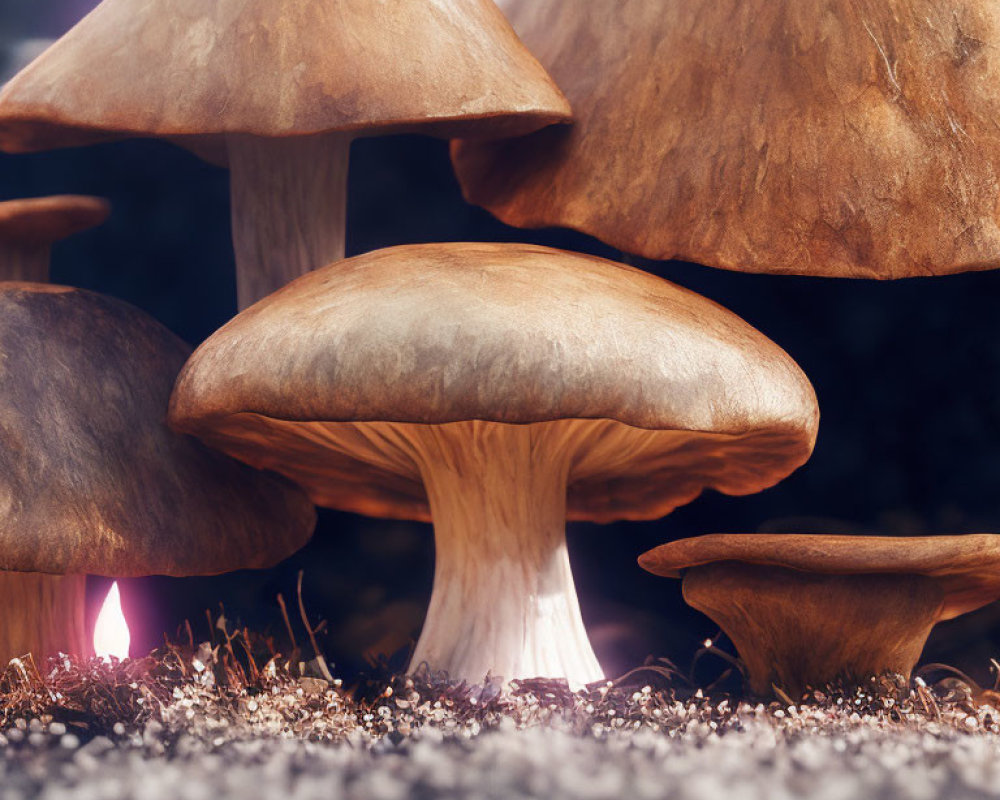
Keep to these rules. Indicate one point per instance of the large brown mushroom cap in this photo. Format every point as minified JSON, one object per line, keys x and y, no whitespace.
{"x":657,"y":392}
{"x":43,"y":220}
{"x":91,"y":478}
{"x":817,"y":137}
{"x":966,"y":567}
{"x":178,"y":68}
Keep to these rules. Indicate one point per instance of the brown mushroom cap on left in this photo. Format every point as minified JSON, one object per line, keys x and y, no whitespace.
{"x":499,"y":390}
{"x":30,"y":226}
{"x":92,"y":481}
{"x":841,"y":138}
{"x":806,"y":610}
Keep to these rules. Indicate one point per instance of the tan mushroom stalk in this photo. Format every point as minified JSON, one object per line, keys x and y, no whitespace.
{"x":29,"y":228}
{"x":498,"y":390}
{"x":93,"y":482}
{"x":805,"y":611}
{"x":278,"y":90}
{"x":845,"y":138}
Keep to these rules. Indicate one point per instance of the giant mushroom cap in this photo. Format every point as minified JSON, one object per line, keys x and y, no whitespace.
{"x":499,"y":389}
{"x":278,"y":91}
{"x":692,"y":396}
{"x":29,"y":227}
{"x":805,"y":609}
{"x":839,"y":138}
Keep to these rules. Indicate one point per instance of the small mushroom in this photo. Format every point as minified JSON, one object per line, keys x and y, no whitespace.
{"x":91,"y":479}
{"x":813,"y":137}
{"x":807,"y":610}
{"x":497,"y":390}
{"x":29,"y":228}
{"x":278,"y":90}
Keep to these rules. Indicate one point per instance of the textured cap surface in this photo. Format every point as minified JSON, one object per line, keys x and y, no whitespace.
{"x":42,"y":220}
{"x":177,"y":68}
{"x":967,"y":567}
{"x":815,"y":137}
{"x":91,"y":478}
{"x":670,"y":392}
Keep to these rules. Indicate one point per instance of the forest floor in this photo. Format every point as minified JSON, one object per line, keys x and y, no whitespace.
{"x":201,"y":723}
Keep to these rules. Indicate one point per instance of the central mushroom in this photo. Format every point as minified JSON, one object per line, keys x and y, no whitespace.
{"x":498,"y":390}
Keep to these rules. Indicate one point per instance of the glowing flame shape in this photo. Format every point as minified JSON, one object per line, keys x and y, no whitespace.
{"x":111,"y":636}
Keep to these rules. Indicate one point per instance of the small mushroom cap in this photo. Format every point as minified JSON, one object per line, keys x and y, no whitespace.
{"x":834,"y":138}
{"x":967,"y":567}
{"x":43,"y":220}
{"x":187,"y":68}
{"x":91,"y":478}
{"x":657,"y":392}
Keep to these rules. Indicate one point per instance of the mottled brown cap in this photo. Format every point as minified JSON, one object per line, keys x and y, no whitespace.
{"x":91,"y":478}
{"x":190,"y":68}
{"x":43,"y":220}
{"x":667,"y":393}
{"x":966,"y":567}
{"x":812,"y":137}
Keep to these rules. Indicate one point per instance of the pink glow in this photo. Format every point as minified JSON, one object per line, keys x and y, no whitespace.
{"x":111,"y":634}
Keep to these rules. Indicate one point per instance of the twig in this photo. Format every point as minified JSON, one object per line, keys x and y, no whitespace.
{"x":288,"y":623}
{"x":320,"y":660}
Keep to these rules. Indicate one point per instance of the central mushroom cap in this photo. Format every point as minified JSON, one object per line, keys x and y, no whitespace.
{"x":499,"y":389}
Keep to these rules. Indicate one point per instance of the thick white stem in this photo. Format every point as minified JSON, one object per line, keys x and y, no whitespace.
{"x":504,"y":602}
{"x":289,"y":206}
{"x":25,"y":263}
{"x":42,"y":615}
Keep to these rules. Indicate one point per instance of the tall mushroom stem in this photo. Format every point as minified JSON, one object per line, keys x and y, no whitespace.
{"x":504,"y":601}
{"x":25,"y":263}
{"x":803,"y":629}
{"x":289,"y":206}
{"x":42,"y":615}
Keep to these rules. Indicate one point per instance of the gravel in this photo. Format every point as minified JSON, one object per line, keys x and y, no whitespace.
{"x":308,"y":740}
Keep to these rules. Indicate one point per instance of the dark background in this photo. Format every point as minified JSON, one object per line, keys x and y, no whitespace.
{"x":906,"y":373}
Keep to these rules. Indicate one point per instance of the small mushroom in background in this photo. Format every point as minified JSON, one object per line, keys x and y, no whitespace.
{"x":93,"y":481}
{"x":29,"y":228}
{"x":277,"y":91}
{"x":808,"y":610}
{"x":499,"y":390}
{"x":836,"y":138}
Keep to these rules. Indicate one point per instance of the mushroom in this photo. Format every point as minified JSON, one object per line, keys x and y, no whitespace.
{"x":278,"y":90}
{"x":29,"y":227}
{"x":809,"y":610}
{"x":93,"y":481}
{"x":835,"y":138}
{"x":497,"y":390}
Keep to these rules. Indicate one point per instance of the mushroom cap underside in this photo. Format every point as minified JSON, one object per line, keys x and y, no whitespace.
{"x":967,"y":566}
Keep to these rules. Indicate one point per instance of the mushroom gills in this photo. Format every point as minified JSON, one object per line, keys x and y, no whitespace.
{"x":796,"y":630}
{"x":42,"y":615}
